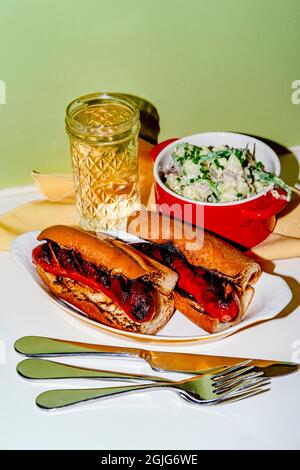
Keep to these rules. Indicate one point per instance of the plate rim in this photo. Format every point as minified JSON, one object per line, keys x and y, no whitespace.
{"x":205,"y":338}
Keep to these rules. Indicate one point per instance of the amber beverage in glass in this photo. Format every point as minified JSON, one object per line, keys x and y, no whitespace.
{"x":103,"y":130}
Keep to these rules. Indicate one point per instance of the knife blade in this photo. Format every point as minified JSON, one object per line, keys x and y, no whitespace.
{"x":40,"y":346}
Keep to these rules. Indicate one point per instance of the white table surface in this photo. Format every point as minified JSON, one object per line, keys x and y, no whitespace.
{"x":153,"y":420}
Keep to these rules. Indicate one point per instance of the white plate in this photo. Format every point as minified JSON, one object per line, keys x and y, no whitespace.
{"x":272,"y":294}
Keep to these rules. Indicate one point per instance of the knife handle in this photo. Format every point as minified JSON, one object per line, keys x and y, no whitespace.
{"x":43,"y":369}
{"x":52,"y":399}
{"x":47,"y":347}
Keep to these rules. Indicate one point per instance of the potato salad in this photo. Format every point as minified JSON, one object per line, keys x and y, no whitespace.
{"x":219,"y":174}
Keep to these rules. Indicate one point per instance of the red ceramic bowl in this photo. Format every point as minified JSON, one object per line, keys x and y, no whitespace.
{"x":247,"y":222}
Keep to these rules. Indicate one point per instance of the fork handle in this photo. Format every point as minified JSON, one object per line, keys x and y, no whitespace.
{"x":44,"y":369}
{"x":52,"y":399}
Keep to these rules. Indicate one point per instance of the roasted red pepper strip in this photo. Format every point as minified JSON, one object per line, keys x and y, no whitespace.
{"x":207,"y":289}
{"x":194,"y":283}
{"x":138,"y":301}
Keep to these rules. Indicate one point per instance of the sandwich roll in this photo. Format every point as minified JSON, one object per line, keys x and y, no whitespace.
{"x":214,"y":287}
{"x":108,"y":280}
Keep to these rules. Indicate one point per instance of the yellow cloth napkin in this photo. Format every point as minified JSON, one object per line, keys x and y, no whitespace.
{"x":58,"y":208}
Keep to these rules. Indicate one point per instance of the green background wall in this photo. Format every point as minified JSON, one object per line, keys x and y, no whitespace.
{"x":205,"y":64}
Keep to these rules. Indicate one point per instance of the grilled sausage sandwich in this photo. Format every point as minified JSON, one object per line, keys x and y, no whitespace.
{"x":112,"y":282}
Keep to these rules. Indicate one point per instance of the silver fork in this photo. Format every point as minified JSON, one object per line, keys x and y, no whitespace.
{"x":231,"y":384}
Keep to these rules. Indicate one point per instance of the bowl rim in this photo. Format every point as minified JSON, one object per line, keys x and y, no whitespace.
{"x":162,"y":154}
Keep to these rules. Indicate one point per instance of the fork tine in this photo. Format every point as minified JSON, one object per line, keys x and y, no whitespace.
{"x":236,"y":373}
{"x":246,"y":385}
{"x":236,"y":395}
{"x":249,"y":388}
{"x":241,"y":378}
{"x":228,"y":370}
{"x":242,"y":396}
{"x":241,"y":385}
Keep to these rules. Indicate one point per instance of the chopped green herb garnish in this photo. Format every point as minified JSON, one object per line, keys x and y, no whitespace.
{"x":259,"y":166}
{"x":218,"y":164}
{"x":241,"y":175}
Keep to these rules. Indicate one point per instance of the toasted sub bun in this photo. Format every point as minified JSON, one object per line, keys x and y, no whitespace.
{"x":99,"y":307}
{"x":196,"y":314}
{"x":199,"y":247}
{"x":203,"y":250}
{"x":114,"y":255}
{"x":118,"y":259}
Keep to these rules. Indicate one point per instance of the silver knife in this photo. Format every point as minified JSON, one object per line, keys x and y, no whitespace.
{"x":39,"y":346}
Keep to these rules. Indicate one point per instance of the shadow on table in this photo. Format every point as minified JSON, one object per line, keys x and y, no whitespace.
{"x":294,"y":285}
